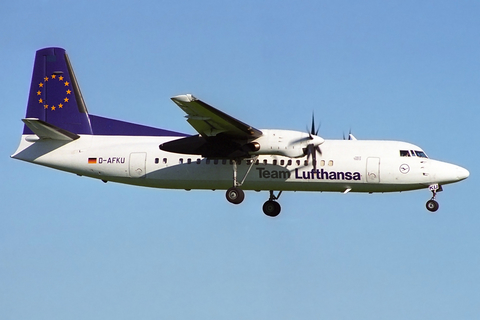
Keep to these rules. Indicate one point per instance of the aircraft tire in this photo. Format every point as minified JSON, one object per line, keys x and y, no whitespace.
{"x":235,"y":195}
{"x":432,"y":205}
{"x":271,"y":208}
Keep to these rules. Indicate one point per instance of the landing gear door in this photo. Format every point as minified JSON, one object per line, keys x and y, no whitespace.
{"x":137,"y":165}
{"x":373,"y":170}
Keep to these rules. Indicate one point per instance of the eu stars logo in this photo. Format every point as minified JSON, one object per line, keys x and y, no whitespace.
{"x":54,"y":92}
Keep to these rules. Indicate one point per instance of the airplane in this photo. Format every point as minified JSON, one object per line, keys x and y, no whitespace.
{"x":225,"y":154}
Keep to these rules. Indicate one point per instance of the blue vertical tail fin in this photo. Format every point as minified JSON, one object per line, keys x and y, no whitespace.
{"x":55,"y":96}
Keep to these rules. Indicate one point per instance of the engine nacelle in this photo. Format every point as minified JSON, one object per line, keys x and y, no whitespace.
{"x":252,"y":147}
{"x":286,"y":143}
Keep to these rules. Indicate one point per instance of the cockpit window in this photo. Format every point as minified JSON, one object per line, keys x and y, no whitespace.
{"x":420,"y":154}
{"x":411,"y":153}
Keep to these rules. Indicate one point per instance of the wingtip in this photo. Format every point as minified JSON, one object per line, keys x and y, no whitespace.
{"x":184,"y":98}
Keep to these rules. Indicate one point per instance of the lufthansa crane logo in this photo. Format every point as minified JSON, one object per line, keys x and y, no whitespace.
{"x":404,"y":168}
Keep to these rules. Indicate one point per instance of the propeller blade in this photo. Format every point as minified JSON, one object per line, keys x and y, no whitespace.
{"x":309,"y":134}
{"x":313,"y":125}
{"x":311,"y":151}
{"x":313,"y":131}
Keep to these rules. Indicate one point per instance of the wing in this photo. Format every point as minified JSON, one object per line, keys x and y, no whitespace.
{"x":210,"y":122}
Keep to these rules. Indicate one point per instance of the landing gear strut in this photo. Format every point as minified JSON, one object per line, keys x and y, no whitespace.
{"x":432,"y":204}
{"x":234,"y":194}
{"x":271,"y":207}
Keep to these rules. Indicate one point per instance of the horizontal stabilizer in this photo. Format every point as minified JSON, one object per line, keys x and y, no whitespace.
{"x":45,"y":130}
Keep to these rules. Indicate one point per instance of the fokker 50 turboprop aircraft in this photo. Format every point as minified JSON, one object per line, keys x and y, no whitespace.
{"x":225,"y":154}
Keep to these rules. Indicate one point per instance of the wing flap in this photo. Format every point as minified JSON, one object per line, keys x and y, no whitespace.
{"x":209,"y":121}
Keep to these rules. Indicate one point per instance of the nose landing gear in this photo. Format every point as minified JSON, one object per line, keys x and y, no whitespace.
{"x":432,"y":204}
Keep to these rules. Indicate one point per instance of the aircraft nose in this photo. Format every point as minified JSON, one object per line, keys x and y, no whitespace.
{"x":462,"y":173}
{"x":444,"y":172}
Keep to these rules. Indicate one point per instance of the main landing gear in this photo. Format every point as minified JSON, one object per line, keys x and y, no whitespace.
{"x":432,"y":204}
{"x":236,"y":195}
{"x":271,"y":207}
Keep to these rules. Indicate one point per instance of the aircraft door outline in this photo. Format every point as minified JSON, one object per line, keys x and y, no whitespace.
{"x":137,"y":164}
{"x":373,"y":170}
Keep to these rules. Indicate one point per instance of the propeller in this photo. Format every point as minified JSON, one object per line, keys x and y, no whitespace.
{"x":313,"y":147}
{"x":350,"y":135}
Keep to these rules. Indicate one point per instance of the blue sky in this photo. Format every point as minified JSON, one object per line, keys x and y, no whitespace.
{"x":77,"y":248}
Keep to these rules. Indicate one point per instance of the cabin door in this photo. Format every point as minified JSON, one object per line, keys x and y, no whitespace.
{"x":373,"y":170}
{"x":137,"y":164}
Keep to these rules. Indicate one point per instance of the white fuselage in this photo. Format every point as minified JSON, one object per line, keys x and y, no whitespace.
{"x":344,"y":165}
